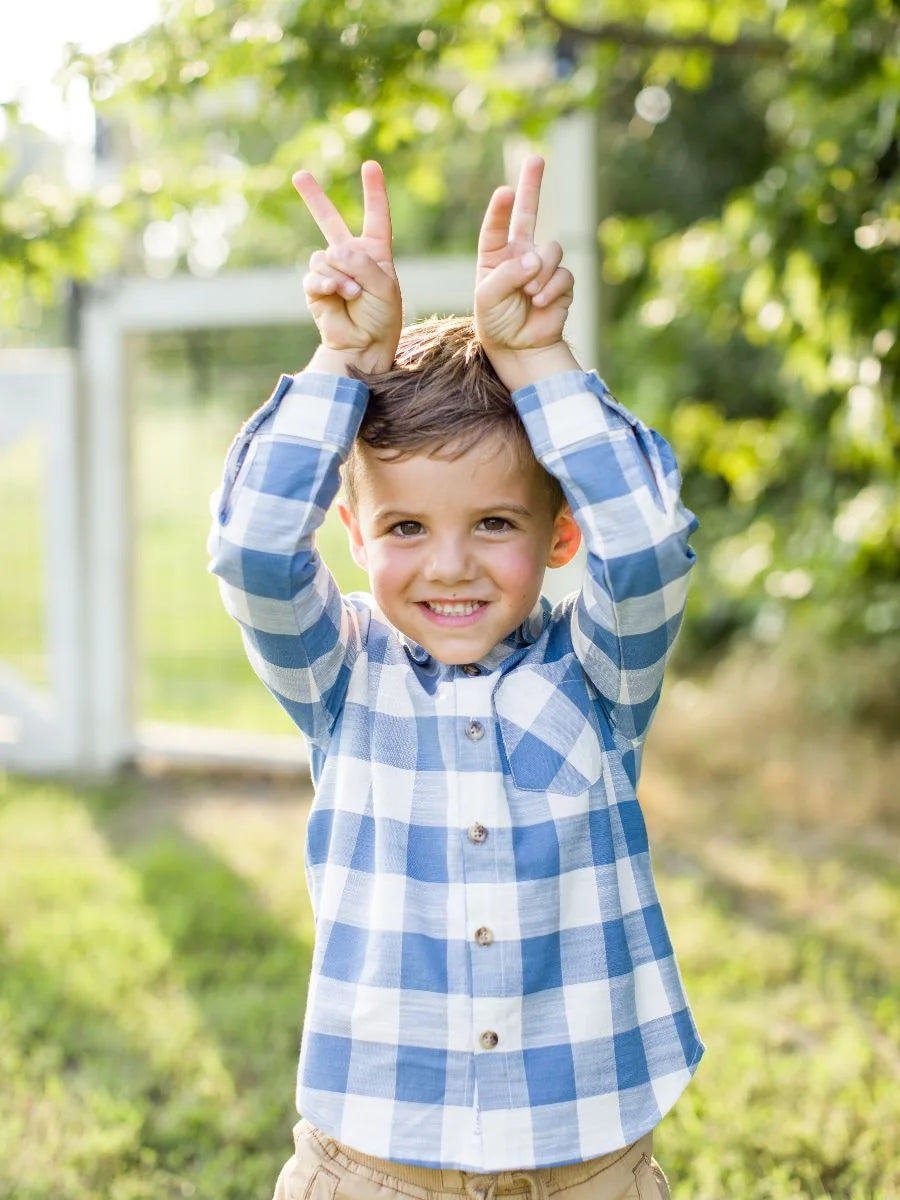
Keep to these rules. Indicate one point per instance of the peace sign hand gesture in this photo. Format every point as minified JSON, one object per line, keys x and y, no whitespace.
{"x":522,"y":294}
{"x":351,"y":286}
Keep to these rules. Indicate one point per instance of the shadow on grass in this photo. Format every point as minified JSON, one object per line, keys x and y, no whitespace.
{"x":244,"y":972}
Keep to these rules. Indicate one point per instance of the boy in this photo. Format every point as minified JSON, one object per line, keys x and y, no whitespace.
{"x":494,"y":1005}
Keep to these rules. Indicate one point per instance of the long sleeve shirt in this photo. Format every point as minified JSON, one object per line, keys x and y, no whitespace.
{"x":493,"y":985}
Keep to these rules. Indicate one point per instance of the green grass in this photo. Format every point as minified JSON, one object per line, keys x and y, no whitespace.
{"x":156,"y":941}
{"x":151,"y":989}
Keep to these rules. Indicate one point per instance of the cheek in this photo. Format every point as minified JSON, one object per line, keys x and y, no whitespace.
{"x":519,"y":569}
{"x":389,"y":569}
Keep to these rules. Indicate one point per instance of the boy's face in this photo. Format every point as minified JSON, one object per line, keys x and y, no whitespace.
{"x":456,"y":549}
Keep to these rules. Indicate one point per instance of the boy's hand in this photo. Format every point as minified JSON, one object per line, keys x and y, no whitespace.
{"x":522,"y":294}
{"x":351,"y":286}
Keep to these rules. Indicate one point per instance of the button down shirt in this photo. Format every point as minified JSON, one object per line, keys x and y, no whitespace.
{"x":493,"y":986}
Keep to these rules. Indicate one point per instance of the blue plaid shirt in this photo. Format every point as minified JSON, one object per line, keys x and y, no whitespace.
{"x":493,"y":986}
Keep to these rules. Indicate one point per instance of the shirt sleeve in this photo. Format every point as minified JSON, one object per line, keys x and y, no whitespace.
{"x":622,"y":483}
{"x":281,"y":474}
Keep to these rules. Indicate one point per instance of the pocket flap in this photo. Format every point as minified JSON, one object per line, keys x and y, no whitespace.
{"x":548,"y":737}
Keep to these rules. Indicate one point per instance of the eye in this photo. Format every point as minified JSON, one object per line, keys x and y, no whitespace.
{"x":495,"y":524}
{"x":406,"y":529}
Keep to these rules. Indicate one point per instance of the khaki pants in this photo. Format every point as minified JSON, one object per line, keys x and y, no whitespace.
{"x":322,"y":1169}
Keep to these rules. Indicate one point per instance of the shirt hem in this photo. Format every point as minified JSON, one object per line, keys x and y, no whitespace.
{"x":326,"y":1127}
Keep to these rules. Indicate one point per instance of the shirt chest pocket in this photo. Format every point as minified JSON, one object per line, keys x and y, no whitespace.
{"x":549,"y":741}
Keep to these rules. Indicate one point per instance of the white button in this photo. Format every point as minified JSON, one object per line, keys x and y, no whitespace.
{"x":489,"y":1039}
{"x":477,"y":832}
{"x":474,"y":731}
{"x":484,"y":936}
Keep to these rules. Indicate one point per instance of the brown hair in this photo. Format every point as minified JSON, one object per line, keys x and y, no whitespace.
{"x":440,"y":397}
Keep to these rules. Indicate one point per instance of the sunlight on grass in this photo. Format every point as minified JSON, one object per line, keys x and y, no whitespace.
{"x":149,"y":1007}
{"x":95,"y":1016}
{"x":70,"y":908}
{"x":797,"y":1095}
{"x":783,"y":900}
{"x":251,"y":837}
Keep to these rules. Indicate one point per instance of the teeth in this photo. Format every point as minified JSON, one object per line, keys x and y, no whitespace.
{"x":459,"y":608}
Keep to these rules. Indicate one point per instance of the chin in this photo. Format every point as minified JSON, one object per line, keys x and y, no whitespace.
{"x":457,"y":659}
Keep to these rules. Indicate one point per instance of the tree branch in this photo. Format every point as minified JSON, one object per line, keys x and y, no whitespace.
{"x":639,"y":35}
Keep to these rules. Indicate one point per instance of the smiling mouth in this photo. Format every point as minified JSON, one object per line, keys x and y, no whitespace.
{"x":453,"y":612}
{"x":454,"y":608}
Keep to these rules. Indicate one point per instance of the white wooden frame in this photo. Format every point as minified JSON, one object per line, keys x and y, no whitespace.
{"x":44,"y":728}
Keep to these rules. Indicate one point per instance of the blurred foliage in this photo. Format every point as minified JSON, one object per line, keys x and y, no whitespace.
{"x":747,"y":166}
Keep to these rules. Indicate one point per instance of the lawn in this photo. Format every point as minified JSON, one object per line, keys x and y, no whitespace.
{"x":156,"y":941}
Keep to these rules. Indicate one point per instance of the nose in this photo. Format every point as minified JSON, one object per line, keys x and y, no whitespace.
{"x":450,"y":561}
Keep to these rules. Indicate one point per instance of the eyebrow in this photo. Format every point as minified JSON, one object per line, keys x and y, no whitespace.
{"x":397,"y":514}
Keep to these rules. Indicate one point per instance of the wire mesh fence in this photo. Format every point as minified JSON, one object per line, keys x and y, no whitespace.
{"x":189,"y":393}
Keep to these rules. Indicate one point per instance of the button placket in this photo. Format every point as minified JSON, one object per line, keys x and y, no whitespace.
{"x":477,"y":752}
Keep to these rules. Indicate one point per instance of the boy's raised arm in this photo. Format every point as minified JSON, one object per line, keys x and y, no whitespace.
{"x":282,"y":472}
{"x":619,"y":477}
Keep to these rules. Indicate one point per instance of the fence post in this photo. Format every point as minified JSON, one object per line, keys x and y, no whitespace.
{"x":107,"y":499}
{"x":569,"y":207}
{"x":43,"y":725}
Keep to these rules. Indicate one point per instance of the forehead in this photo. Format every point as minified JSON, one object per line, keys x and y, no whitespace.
{"x":496,"y":469}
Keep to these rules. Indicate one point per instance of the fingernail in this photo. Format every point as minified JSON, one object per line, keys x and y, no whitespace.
{"x":351,"y":289}
{"x":540,"y":299}
{"x":529,"y":261}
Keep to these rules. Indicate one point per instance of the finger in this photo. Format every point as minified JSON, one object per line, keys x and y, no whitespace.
{"x":319,"y":266}
{"x":363,"y":269}
{"x":528,"y":194}
{"x":510,"y":277}
{"x":316,"y":286}
{"x":494,"y":232}
{"x":560,"y":288}
{"x":550,"y":256}
{"x":377,"y":210}
{"x":318,"y":261}
{"x":322,"y":211}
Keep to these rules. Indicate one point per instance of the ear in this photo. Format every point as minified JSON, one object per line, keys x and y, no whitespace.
{"x":354,"y":534}
{"x":565,"y":540}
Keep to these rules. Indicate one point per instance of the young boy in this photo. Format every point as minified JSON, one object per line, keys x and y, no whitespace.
{"x":494,"y":1005}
